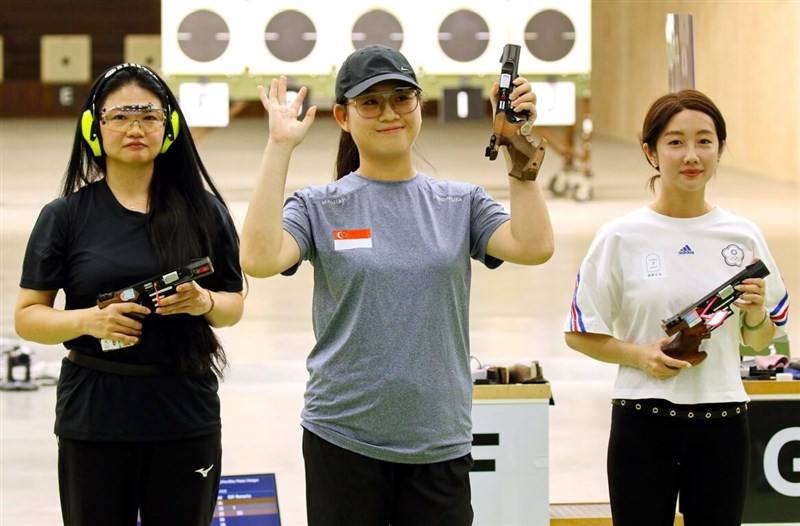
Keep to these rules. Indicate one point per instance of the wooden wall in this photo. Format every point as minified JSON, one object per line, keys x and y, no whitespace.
{"x":747,"y":59}
{"x":23,"y":22}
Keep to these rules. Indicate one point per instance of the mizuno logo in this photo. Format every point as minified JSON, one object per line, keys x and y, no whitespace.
{"x":204,"y":471}
{"x":685,"y":250}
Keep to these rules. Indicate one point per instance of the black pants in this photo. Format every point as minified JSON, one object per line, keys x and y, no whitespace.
{"x":653,"y":459}
{"x":170,"y":483}
{"x":344,"y":488}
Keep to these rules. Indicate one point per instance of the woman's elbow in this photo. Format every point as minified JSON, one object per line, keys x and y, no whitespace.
{"x":541,"y":254}
{"x":255,"y":268}
{"x":25,"y":330}
{"x":572,"y":340}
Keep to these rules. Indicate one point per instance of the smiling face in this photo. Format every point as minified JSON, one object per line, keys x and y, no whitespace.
{"x":390,"y":134}
{"x":131,"y":144}
{"x":687,"y":152}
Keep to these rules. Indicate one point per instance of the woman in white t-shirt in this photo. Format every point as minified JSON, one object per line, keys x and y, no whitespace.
{"x":676,"y":428}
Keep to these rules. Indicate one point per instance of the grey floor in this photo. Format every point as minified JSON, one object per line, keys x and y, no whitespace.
{"x":516,"y":311}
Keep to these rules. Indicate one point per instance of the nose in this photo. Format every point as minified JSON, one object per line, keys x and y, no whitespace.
{"x":387,"y":111}
{"x":135,"y":128}
{"x":691,"y":155}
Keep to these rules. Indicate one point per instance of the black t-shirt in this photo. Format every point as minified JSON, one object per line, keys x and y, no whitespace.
{"x":88,"y":243}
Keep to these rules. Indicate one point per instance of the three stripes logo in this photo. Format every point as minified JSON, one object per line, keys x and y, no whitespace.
{"x":685,"y":250}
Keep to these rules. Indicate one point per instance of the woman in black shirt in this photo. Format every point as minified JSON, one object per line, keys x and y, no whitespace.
{"x":137,"y":410}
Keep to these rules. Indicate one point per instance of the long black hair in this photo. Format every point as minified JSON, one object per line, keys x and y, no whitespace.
{"x":182,"y":219}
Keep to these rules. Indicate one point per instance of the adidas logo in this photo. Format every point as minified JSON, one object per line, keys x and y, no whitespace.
{"x":685,"y":250}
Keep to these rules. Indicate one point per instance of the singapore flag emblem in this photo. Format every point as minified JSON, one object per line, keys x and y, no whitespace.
{"x":349,"y":239}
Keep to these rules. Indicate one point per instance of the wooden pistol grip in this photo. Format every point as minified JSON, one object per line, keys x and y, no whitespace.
{"x":686,"y":345}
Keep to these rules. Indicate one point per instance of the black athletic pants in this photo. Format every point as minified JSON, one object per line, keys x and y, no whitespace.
{"x":170,"y":483}
{"x":344,"y":488}
{"x":653,"y":459}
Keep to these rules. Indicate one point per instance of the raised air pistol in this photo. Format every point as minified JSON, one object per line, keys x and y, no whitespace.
{"x":695,"y":323}
{"x":513,"y":129}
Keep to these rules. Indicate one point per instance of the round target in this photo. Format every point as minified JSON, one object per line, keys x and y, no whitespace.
{"x":463,"y":35}
{"x":377,"y":27}
{"x":290,"y":36}
{"x":550,"y":35}
{"x":203,"y":35}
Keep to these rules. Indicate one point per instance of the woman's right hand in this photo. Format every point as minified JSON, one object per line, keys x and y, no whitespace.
{"x":284,"y":128}
{"x":655,"y":363}
{"x":116,"y":322}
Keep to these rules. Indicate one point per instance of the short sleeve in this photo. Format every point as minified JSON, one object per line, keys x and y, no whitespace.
{"x":227,"y":270}
{"x":44,"y":266}
{"x":297,"y":222}
{"x":486,"y":215}
{"x":595,"y":299}
{"x":776,"y":299}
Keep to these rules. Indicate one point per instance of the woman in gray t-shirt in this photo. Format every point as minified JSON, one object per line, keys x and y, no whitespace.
{"x":387,"y":429}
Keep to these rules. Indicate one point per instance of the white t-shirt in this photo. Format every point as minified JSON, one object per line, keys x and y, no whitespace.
{"x":646,"y":267}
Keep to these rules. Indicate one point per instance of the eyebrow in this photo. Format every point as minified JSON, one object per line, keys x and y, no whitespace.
{"x":681,"y":133}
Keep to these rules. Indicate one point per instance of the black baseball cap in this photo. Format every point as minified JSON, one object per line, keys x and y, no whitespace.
{"x":369,"y":65}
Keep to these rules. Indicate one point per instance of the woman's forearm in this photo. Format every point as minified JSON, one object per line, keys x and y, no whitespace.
{"x":227,"y":308}
{"x":262,"y":234}
{"x":605,"y":348}
{"x":47,"y":325}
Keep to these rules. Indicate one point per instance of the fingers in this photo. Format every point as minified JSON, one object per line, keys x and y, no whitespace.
{"x":263,"y":96}
{"x":189,"y":298}
{"x":309,"y":118}
{"x":273,"y":91}
{"x":127,"y":325}
{"x":753,"y":293}
{"x":523,"y":90}
{"x":126,"y":338}
{"x":754,"y":285}
{"x":297,"y":103}
{"x":131,"y":308}
{"x":282,"y":90}
{"x":674,"y":363}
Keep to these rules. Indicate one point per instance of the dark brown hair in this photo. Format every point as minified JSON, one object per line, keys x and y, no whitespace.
{"x":669,"y":105}
{"x":347,"y":159}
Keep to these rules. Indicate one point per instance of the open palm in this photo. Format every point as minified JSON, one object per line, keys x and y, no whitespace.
{"x":284,"y":128}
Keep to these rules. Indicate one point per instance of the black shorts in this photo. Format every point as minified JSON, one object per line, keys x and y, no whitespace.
{"x":344,"y":488}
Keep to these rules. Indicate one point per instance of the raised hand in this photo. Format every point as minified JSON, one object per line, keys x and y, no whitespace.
{"x":522,"y":99}
{"x":284,"y":128}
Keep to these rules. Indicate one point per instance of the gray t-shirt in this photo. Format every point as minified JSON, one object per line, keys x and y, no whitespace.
{"x":390,"y":374}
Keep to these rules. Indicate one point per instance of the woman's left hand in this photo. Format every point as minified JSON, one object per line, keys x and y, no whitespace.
{"x":190,"y":298}
{"x":522,"y":97}
{"x":752,"y":298}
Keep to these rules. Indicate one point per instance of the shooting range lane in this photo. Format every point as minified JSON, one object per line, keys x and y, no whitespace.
{"x":516,"y":312}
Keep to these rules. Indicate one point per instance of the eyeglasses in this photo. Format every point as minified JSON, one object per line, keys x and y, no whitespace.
{"x":372,"y":105}
{"x":120,"y":119}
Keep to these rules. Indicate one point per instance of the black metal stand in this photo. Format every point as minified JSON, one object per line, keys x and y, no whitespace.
{"x":17,"y":357}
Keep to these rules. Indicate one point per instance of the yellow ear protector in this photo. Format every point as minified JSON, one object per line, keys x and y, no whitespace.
{"x":89,"y":121}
